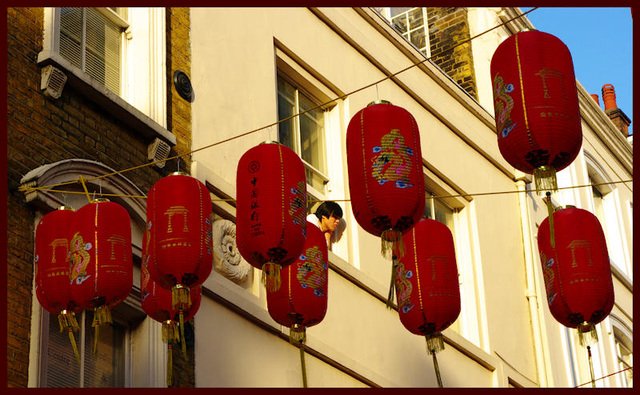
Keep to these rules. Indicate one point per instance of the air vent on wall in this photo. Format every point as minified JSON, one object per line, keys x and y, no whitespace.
{"x":52,"y":81}
{"x":158,"y":151}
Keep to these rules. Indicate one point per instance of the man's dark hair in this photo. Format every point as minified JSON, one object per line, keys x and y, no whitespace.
{"x":328,"y":209}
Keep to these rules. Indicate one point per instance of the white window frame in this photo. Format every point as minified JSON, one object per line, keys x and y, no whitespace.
{"x":143,"y":58}
{"x":386,"y":13}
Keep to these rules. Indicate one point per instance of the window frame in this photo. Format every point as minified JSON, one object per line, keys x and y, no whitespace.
{"x":385,"y":12}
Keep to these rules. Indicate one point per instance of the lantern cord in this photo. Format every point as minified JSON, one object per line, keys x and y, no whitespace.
{"x":389,"y":76}
{"x":593,"y":381}
{"x":95,"y":339}
{"x":169,"y":364}
{"x":84,"y":186}
{"x":392,"y":286}
{"x":550,"y":210}
{"x":436,"y":367}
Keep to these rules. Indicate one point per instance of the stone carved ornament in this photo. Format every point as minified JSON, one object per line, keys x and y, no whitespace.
{"x":226,"y":256}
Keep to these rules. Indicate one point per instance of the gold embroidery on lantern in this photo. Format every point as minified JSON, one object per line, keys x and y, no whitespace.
{"x":58,"y":243}
{"x":582,"y":244}
{"x":437,"y":258}
{"x":551,"y":73}
{"x":117,"y":239}
{"x":177,"y":210}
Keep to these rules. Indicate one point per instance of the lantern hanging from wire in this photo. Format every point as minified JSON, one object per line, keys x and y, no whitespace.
{"x":386,"y":181}
{"x":101,"y":273}
{"x":576,"y":270}
{"x":179,"y":226}
{"x":157,"y":303}
{"x":536,"y":106}
{"x":271,"y":202}
{"x":53,"y":233}
{"x":427,"y":288}
{"x":301,"y":300}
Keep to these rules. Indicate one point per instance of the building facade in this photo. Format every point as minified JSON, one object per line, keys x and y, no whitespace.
{"x":201,"y":86}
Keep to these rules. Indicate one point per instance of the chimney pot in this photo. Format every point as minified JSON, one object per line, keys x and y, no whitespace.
{"x":609,"y":97}
{"x":595,"y":97}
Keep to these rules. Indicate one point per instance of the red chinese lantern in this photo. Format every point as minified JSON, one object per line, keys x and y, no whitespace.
{"x":53,"y":233}
{"x":536,"y":105}
{"x":101,"y":274}
{"x":576,"y":269}
{"x":271,"y":202}
{"x":386,"y":181}
{"x":301,"y":301}
{"x":427,"y":286}
{"x":157,"y":303}
{"x":179,"y":220}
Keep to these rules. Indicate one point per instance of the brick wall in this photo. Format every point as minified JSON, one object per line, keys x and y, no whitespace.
{"x":42,"y":131}
{"x":179,"y":122}
{"x":448,"y":26}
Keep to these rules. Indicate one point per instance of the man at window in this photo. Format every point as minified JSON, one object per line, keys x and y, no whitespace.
{"x":328,"y":217}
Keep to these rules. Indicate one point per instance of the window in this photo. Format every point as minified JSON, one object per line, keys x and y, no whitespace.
{"x":305,"y":133}
{"x":597,"y":202}
{"x":625,"y":362}
{"x":120,"y":49}
{"x":436,"y":209}
{"x":104,"y":369}
{"x":90,"y":39}
{"x":411,"y":23}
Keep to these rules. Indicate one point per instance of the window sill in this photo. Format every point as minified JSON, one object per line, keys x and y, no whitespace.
{"x":112,"y":103}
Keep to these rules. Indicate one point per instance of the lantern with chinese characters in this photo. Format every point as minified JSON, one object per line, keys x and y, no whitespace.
{"x":301,"y":301}
{"x":576,"y":270}
{"x":536,"y":105}
{"x":427,"y":288}
{"x":386,"y":181}
{"x":53,"y":233}
{"x":157,"y":303}
{"x":179,"y":220}
{"x":271,"y":202}
{"x":101,"y":273}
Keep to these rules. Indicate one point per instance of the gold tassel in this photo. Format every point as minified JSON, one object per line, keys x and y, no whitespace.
{"x":593,"y":381}
{"x":435,"y":342}
{"x":67,"y":320}
{"x":169,"y":364}
{"x":170,"y":331}
{"x":101,"y":316}
{"x":550,"y":210}
{"x":391,"y":244}
{"x":545,"y":179}
{"x":436,"y":367}
{"x":392,"y":287}
{"x":297,"y":334}
{"x":587,"y":334}
{"x":271,"y":276}
{"x":303,"y":365}
{"x":180,"y":297}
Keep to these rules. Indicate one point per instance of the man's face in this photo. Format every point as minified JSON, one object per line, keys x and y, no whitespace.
{"x":331,"y":222}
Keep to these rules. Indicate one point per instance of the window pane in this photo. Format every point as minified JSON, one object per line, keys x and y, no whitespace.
{"x":62,"y":369}
{"x":71,"y":35}
{"x":311,"y":134}
{"x":418,"y":38}
{"x":286,"y":108}
{"x":415,"y":18}
{"x":395,"y":11}
{"x":103,"y":50}
{"x":400,"y":23}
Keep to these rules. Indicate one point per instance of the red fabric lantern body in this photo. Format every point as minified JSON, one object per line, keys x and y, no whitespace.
{"x":536,"y":105}
{"x":427,"y":286}
{"x":271,"y":202}
{"x":301,"y":300}
{"x":53,"y":234}
{"x":577,"y":272}
{"x":179,"y":226}
{"x":384,"y":162}
{"x":100,"y":255}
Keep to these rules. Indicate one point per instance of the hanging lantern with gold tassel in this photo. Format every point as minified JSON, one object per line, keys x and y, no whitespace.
{"x":271,"y":202}
{"x":101,"y":263}
{"x":179,"y":231}
{"x":301,"y":301}
{"x":386,"y":181}
{"x":53,"y":233}
{"x":536,"y":105}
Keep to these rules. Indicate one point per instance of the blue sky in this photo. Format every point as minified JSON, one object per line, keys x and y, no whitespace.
{"x":600,"y":41}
